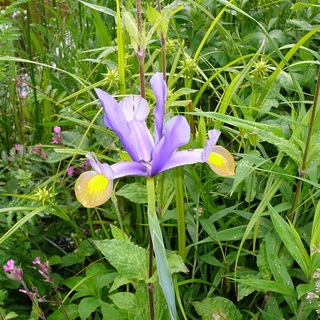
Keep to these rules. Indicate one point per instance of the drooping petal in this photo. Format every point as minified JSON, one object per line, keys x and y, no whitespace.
{"x":92,"y":189}
{"x":130,"y":168}
{"x":176,"y":133}
{"x":184,"y":157}
{"x":221,"y":161}
{"x":116,"y":121}
{"x":159,"y":88}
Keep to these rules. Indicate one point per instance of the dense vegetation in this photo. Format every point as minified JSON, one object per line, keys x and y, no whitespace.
{"x":241,"y":247}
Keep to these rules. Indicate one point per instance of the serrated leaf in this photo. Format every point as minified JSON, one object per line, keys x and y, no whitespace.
{"x":125,"y":301}
{"x":217,"y":308}
{"x":130,"y":260}
{"x":118,"y":233}
{"x":110,"y":312}
{"x":135,"y":192}
{"x":87,"y":306}
{"x":243,"y":289}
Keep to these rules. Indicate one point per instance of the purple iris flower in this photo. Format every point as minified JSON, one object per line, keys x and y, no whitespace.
{"x":150,"y":155}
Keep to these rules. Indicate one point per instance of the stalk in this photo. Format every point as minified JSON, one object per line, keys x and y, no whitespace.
{"x":141,"y":51}
{"x":303,"y":169}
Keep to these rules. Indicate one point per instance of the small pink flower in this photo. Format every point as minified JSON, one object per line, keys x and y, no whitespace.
{"x":70,"y":171}
{"x":36,"y":260}
{"x":17,"y":147}
{"x":9,"y":266}
{"x":57,"y":129}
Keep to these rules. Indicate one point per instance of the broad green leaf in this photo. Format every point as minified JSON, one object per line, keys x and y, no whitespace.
{"x":291,"y":240}
{"x":110,"y":312}
{"x":135,"y":192}
{"x":217,"y":308}
{"x":125,"y":301}
{"x":118,"y":233}
{"x":87,"y":306}
{"x":243,"y":289}
{"x":130,"y":260}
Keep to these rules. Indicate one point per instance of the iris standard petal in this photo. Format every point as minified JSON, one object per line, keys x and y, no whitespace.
{"x":93,"y":189}
{"x":159,"y":88}
{"x":176,"y":133}
{"x":221,"y":161}
{"x":184,"y":157}
{"x":134,"y":107}
{"x":116,"y":121}
{"x":211,"y":142}
{"x":130,"y":168}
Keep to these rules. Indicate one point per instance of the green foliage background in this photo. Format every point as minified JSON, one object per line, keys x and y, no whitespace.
{"x":250,"y":243}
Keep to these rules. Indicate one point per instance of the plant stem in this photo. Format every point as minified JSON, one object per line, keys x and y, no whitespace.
{"x":163,"y":47}
{"x":141,"y":51}
{"x":303,"y":169}
{"x":151,"y":211}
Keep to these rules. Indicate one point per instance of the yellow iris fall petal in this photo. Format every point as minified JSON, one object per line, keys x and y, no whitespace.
{"x":221,"y":161}
{"x":93,"y":189}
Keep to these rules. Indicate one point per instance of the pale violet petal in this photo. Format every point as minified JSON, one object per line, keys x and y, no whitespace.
{"x":176,"y":134}
{"x":159,"y":88}
{"x":130,"y":168}
{"x":184,"y":157}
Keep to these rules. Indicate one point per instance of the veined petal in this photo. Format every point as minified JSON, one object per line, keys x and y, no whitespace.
{"x":92,"y":189}
{"x":211,"y":142}
{"x":134,"y":107}
{"x":130,"y":168}
{"x":184,"y":157}
{"x":98,"y":167}
{"x":176,"y":134}
{"x":159,"y":88}
{"x":221,"y":161}
{"x":116,"y":121}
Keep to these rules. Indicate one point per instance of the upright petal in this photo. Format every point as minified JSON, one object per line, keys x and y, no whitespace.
{"x":116,"y":121}
{"x":98,"y":167}
{"x":211,"y":142}
{"x":176,"y":134}
{"x":159,"y":88}
{"x":136,"y":109}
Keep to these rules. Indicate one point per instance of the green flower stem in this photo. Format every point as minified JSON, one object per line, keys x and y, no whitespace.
{"x":121,"y":54}
{"x":162,"y":263}
{"x":141,"y":51}
{"x":178,"y":180}
{"x":303,"y":170}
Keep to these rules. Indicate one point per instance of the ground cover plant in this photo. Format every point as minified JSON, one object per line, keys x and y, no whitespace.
{"x":199,"y":200}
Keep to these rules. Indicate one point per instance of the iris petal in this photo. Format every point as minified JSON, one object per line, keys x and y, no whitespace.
{"x":184,"y":157}
{"x":176,"y":133}
{"x":116,"y":121}
{"x":159,"y":88}
{"x":93,"y":189}
{"x":135,"y":110}
{"x":221,"y":161}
